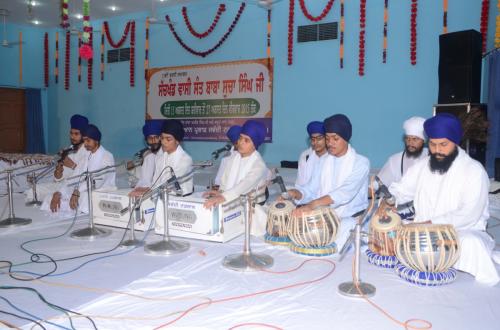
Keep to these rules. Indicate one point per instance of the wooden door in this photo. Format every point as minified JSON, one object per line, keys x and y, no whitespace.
{"x":12,"y":120}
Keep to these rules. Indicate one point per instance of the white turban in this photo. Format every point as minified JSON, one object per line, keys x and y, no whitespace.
{"x":414,"y":126}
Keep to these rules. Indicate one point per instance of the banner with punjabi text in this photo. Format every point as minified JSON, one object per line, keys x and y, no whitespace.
{"x":210,"y":98}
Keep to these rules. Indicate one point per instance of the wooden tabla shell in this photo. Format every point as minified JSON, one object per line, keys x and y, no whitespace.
{"x":317,"y":228}
{"x":427,"y":247}
{"x":278,"y":217}
{"x":383,"y":233}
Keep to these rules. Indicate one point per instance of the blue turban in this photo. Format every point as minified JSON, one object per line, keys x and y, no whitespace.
{"x":152,"y":127}
{"x":91,"y":131}
{"x":79,"y":122}
{"x":339,"y":124}
{"x":444,"y":125}
{"x":315,"y":127}
{"x":233,"y":133}
{"x":175,"y":128}
{"x":255,"y":130}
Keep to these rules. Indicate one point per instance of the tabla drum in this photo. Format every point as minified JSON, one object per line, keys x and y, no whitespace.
{"x":427,"y":247}
{"x":383,"y":232}
{"x":278,"y":218}
{"x":314,"y":232}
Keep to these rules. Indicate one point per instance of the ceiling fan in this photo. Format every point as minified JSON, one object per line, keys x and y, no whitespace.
{"x":5,"y":43}
{"x":267,"y":4}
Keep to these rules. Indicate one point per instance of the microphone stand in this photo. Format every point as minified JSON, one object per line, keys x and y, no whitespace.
{"x":247,"y":261}
{"x":12,"y":220}
{"x":34,"y":180}
{"x":135,"y":207}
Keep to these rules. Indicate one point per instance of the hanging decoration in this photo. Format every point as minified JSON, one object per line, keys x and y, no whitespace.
{"x":20,"y":57}
{"x":46,"y":59}
{"x":221,"y":41}
{"x":445,"y":16}
{"x":220,"y":10}
{"x":342,"y":27}
{"x":325,"y":11}
{"x":291,"y":14}
{"x":268,"y":50}
{"x":362,"y":30}
{"x":485,"y":6}
{"x":79,"y":57}
{"x":67,"y":60}
{"x":386,"y":18}
{"x":413,"y":32}
{"x":122,"y":39}
{"x":132,"y":55}
{"x":90,"y":61}
{"x":64,"y":14}
{"x":497,"y":27}
{"x":56,"y":69}
{"x":146,"y":51}
{"x":101,"y":67}
{"x":130,"y":27}
{"x":86,"y":50}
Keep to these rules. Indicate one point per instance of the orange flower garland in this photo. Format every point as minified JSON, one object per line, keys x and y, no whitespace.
{"x":445,"y":16}
{"x":342,"y":27}
{"x":386,"y":18}
{"x":497,"y":27}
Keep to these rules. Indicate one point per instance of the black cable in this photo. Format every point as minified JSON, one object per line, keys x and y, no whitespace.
{"x":23,"y":318}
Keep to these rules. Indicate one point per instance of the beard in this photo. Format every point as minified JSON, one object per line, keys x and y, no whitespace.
{"x":414,"y":154}
{"x":76,"y":144}
{"x":154,"y":147}
{"x":442,"y":166}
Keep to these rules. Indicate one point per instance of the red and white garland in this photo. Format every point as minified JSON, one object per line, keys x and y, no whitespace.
{"x":129,"y":27}
{"x":485,"y":6}
{"x":291,"y":14}
{"x":220,"y":10}
{"x":64,"y":14}
{"x":67,"y":60}
{"x":46,"y":59}
{"x":316,"y":18}
{"x":85,"y":50}
{"x":268,"y":49}
{"x":386,"y":19}
{"x":342,"y":28}
{"x":413,"y":32}
{"x":132,"y":55}
{"x":79,"y":58}
{"x":362,"y":32}
{"x":146,"y":51}
{"x":90,"y":61}
{"x":56,"y":69}
{"x":445,"y":16}
{"x":221,"y":41}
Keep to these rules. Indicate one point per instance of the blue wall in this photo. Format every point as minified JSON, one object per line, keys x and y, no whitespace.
{"x":313,"y":88}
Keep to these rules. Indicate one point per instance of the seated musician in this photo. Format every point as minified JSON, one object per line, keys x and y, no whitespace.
{"x":233,"y":134}
{"x":69,"y":160}
{"x":311,"y":158}
{"x":244,"y":172}
{"x":449,"y":187}
{"x":73,"y":194}
{"x":342,"y":182}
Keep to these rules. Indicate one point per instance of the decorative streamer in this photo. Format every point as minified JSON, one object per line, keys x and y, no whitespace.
{"x":130,"y":27}
{"x":413,"y":32}
{"x":221,"y":41}
{"x":386,"y":19}
{"x":64,"y":14}
{"x":220,"y":10}
{"x":445,"y":16}
{"x":342,"y":28}
{"x":132,"y":55}
{"x":362,"y":32}
{"x":56,"y":69}
{"x":291,"y":15}
{"x":101,"y":68}
{"x":268,"y":51}
{"x":485,"y":6}
{"x":20,"y":57}
{"x":497,"y":27}
{"x":46,"y":59}
{"x":79,"y":57}
{"x":86,"y":21}
{"x":67,"y":60}
{"x":122,"y":39}
{"x":90,"y":61}
{"x":316,"y":18}
{"x":146,"y":51}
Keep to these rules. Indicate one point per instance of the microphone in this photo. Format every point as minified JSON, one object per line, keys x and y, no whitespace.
{"x":217,"y":152}
{"x":382,"y":188}
{"x":141,"y":152}
{"x":63,"y":153}
{"x":279,"y":180}
{"x":173,"y":179}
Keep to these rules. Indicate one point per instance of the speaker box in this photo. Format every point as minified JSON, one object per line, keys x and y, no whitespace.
{"x":474,"y":123}
{"x":460,"y":67}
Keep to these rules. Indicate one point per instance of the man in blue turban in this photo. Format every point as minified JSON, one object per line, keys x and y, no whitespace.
{"x":233,"y":134}
{"x":342,"y":182}
{"x":449,"y":187}
{"x":310,"y":159}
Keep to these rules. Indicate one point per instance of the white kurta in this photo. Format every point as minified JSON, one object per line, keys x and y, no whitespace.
{"x":397,"y":165}
{"x":309,"y":163}
{"x":147,"y":170}
{"x":222,"y":166}
{"x":460,"y":198}
{"x":180,"y":162}
{"x":99,"y":159}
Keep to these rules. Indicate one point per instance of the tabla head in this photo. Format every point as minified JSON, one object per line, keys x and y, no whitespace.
{"x":278,"y":218}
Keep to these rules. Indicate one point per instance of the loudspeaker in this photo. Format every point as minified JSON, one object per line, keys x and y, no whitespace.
{"x":460,"y":67}
{"x":497,"y":169}
{"x":474,"y":119}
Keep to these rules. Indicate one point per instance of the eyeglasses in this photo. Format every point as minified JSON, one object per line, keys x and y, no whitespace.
{"x":316,"y":138}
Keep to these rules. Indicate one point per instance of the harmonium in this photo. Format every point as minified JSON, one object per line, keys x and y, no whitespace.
{"x":187,"y":217}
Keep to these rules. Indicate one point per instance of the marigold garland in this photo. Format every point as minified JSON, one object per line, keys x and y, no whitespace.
{"x":132,"y":54}
{"x":67,"y":60}
{"x":146,"y":51}
{"x":445,"y":16}
{"x":325,"y":11}
{"x":90,"y":61}
{"x":362,"y":32}
{"x":485,"y":6}
{"x":211,"y":50}
{"x":220,"y":10}
{"x":413,"y":32}
{"x":64,"y":14}
{"x":56,"y":69}
{"x":268,"y":50}
{"x":342,"y":28}
{"x":497,"y":27}
{"x":46,"y":59}
{"x":86,"y":21}
{"x":122,"y":39}
{"x":101,"y":67}
{"x":386,"y":19}
{"x":291,"y":14}
{"x":79,"y":58}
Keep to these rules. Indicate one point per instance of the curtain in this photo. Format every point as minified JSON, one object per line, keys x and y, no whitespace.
{"x":34,"y":122}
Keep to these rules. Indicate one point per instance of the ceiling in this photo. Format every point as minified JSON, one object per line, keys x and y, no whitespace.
{"x":46,"y":13}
